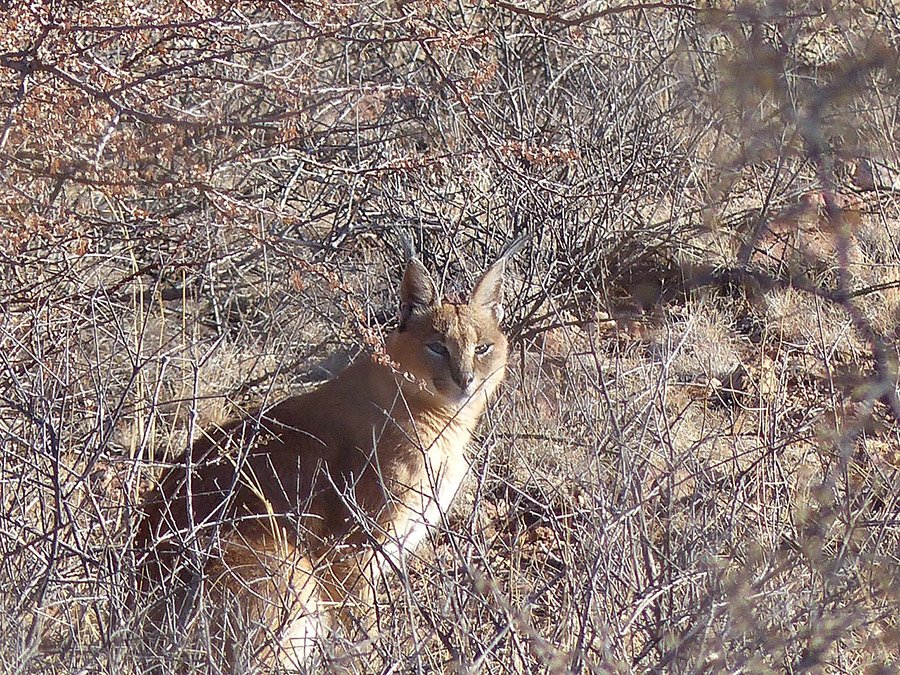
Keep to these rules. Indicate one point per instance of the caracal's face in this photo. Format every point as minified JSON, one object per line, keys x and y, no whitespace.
{"x":457,"y":350}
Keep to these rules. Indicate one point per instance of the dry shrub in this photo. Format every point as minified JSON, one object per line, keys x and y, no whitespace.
{"x":694,"y":464}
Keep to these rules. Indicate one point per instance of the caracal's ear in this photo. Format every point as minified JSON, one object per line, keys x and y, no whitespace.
{"x":488,"y":292}
{"x":417,"y":291}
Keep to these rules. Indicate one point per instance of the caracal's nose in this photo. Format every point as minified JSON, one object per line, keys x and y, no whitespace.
{"x":464,"y":379}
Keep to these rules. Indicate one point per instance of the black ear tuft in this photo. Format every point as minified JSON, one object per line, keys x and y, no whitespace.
{"x":417,"y":291}
{"x":488,"y":292}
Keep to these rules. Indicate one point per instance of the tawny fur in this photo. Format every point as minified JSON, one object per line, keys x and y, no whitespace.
{"x":273,"y":526}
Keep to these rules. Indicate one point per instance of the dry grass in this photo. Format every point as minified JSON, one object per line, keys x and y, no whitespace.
{"x":694,"y":464}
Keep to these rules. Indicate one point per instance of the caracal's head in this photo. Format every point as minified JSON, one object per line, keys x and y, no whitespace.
{"x":457,"y":349}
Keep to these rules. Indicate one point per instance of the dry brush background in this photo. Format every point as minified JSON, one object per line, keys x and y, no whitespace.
{"x":694,"y":464}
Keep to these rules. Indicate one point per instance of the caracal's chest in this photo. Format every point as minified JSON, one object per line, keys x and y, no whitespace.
{"x":429,"y":492}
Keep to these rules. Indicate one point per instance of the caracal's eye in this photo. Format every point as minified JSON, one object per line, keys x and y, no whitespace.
{"x":437,"y":348}
{"x":484,"y":349}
